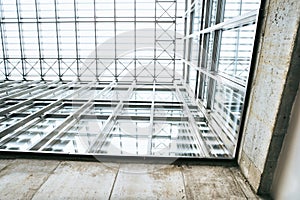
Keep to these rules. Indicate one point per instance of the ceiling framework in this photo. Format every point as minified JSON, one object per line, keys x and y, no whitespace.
{"x":132,"y":40}
{"x":157,"y":78}
{"x":89,"y":118}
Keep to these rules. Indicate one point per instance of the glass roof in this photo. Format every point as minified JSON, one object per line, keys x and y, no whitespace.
{"x":90,"y":39}
{"x":158,"y":77}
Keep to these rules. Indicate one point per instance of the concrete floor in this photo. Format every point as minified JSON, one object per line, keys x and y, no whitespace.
{"x":48,"y":179}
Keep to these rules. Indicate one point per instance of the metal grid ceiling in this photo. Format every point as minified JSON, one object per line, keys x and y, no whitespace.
{"x":90,"y":40}
{"x":131,"y":69}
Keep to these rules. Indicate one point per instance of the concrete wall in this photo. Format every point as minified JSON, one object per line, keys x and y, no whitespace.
{"x":286,"y":182}
{"x":273,"y":90}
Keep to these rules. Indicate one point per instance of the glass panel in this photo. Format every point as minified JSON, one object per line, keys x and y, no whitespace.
{"x":228,"y":106}
{"x":140,"y":95}
{"x":14,"y":68}
{"x":163,"y":112}
{"x":165,"y":96}
{"x":235,"y":8}
{"x":104,"y":8}
{"x":100,"y":110}
{"x":236,"y":52}
{"x":86,"y":39}
{"x":65,"y":9}
{"x":85,"y":9}
{"x":27,"y":9}
{"x":145,"y":8}
{"x":27,"y":139}
{"x":9,"y":10}
{"x":46,"y":10}
{"x":12,"y":45}
{"x":30,"y":109}
{"x":127,"y":138}
{"x":67,"y":41}
{"x":115,"y":94}
{"x":197,"y":16}
{"x":2,"y":71}
{"x":125,"y":8}
{"x":195,"y":51}
{"x":7,"y":122}
{"x":48,"y":40}
{"x":78,"y":138}
{"x":136,"y":112}
{"x":174,"y":139}
{"x":125,"y":39}
{"x":210,"y":59}
{"x":192,"y":78}
{"x":105,"y":41}
{"x":30,"y":40}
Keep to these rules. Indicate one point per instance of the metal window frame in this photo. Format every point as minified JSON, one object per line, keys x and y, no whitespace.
{"x":208,"y":76}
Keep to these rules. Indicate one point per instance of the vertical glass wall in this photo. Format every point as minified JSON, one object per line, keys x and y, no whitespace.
{"x":219,"y":38}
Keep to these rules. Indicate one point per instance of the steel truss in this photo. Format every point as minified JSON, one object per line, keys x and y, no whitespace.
{"x":63,"y":39}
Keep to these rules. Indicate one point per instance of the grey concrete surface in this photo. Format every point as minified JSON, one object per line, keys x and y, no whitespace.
{"x":42,"y":179}
{"x":21,"y":179}
{"x":72,"y":180}
{"x":149,"y":182}
{"x":209,"y":182}
{"x":273,"y":91}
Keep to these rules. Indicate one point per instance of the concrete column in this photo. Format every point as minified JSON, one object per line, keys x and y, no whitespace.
{"x":273,"y":90}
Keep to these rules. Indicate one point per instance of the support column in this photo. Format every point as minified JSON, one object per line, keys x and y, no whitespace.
{"x":275,"y":82}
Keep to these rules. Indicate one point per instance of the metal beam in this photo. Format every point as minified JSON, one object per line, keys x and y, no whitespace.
{"x":105,"y":20}
{"x":24,"y":91}
{"x":7,"y":83}
{"x":200,"y":77}
{"x":28,"y":101}
{"x":220,"y":78}
{"x":135,"y":46}
{"x":57,"y":41}
{"x":39,"y":40}
{"x":20,"y":39}
{"x":115,"y":44}
{"x":215,"y":54}
{"x":151,"y":122}
{"x":192,"y":124}
{"x":175,"y":43}
{"x":3,"y":43}
{"x":67,"y":123}
{"x":105,"y":131}
{"x":10,"y":90}
{"x":76,"y":41}
{"x":96,"y":43}
{"x":5,"y":139}
{"x":242,"y":20}
{"x":28,"y":119}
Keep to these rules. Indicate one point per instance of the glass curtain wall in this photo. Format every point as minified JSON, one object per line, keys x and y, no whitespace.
{"x":219,"y":37}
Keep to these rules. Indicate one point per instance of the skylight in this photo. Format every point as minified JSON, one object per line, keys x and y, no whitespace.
{"x":158,"y":78}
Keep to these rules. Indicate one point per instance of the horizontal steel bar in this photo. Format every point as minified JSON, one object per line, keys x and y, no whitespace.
{"x":235,"y":22}
{"x":220,"y":79}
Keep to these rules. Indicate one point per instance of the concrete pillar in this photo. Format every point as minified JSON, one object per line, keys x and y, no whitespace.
{"x":273,"y":91}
